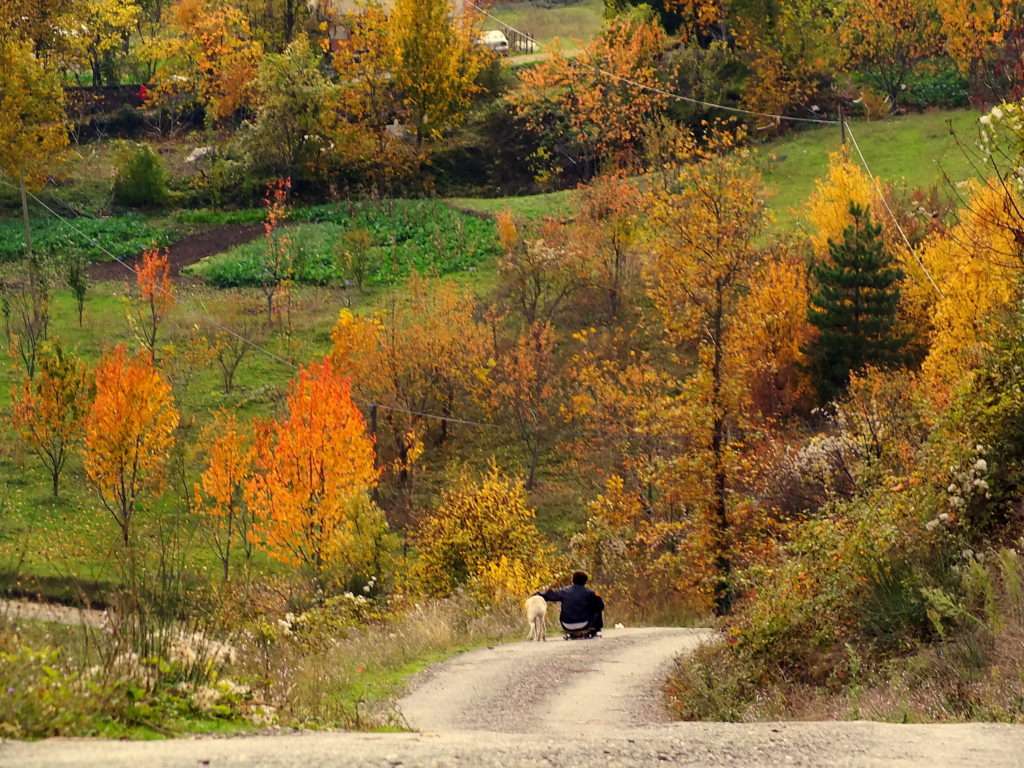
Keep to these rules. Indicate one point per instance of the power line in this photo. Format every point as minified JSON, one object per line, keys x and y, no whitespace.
{"x":663,"y":91}
{"x":208,"y":316}
{"x":885,"y":203}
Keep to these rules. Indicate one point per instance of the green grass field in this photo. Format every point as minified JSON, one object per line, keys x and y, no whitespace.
{"x":910,"y":151}
{"x":575,"y":22}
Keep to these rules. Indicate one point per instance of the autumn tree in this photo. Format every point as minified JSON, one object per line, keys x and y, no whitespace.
{"x":33,"y":131}
{"x":155,"y":298}
{"x":886,"y":39}
{"x":522,"y":387}
{"x":277,"y":265}
{"x":414,"y":364}
{"x":220,"y":492}
{"x":437,"y":62}
{"x":538,"y":274}
{"x":210,"y":59}
{"x":977,"y":266}
{"x":48,"y":411}
{"x":687,"y":18}
{"x":708,"y":217}
{"x":478,"y":522}
{"x":791,"y":49}
{"x":829,"y":206}
{"x":129,"y":434}
{"x":310,"y":469}
{"x":770,"y":336}
{"x":626,"y":414}
{"x":986,"y":40}
{"x":606,"y":238}
{"x":278,"y":23}
{"x":365,"y":63}
{"x":853,"y":306}
{"x":104,"y":29}
{"x":593,"y":107}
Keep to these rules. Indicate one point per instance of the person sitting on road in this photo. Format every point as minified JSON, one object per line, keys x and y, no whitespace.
{"x":582,"y":608}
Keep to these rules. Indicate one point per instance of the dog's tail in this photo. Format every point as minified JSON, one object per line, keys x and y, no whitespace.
{"x":537,"y":632}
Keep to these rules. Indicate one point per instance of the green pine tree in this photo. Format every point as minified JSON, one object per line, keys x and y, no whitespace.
{"x":853,"y":306}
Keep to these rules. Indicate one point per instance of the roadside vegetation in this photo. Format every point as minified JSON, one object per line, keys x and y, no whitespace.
{"x":323,"y":351}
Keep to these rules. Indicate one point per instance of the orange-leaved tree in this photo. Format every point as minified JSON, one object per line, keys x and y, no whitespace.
{"x":220,"y":492}
{"x":49,"y":411}
{"x":598,"y":103}
{"x":211,"y":58}
{"x":311,"y":468}
{"x":277,"y":265}
{"x":129,"y":434}
{"x":155,"y":298}
{"x":419,"y":356}
{"x":605,"y":235}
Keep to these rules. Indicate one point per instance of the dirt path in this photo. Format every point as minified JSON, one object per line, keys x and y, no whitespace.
{"x":589,"y":685}
{"x":27,"y":610}
{"x":589,"y":703}
{"x":188,"y":250}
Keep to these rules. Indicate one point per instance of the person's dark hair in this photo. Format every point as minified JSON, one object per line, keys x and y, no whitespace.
{"x":579,"y":577}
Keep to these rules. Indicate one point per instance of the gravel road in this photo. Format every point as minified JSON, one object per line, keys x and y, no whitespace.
{"x":558,"y":704}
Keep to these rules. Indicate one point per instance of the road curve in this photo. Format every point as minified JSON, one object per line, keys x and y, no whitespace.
{"x":557,"y":704}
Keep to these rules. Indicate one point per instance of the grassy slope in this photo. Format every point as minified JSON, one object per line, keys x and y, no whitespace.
{"x":575,"y":22}
{"x":69,"y":535}
{"x":914,"y":150}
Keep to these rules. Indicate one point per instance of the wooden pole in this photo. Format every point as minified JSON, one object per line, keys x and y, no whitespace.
{"x":25,"y":219}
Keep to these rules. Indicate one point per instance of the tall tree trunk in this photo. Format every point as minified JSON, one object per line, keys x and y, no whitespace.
{"x":723,"y":563}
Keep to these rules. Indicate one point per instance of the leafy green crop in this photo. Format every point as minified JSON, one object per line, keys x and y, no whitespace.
{"x":408,"y":236}
{"x":122,"y":236}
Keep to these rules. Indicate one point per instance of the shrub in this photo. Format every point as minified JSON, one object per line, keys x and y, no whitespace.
{"x":482,"y":532}
{"x":140,"y":179}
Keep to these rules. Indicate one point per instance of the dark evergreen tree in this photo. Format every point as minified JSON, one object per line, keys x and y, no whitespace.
{"x":853,"y":306}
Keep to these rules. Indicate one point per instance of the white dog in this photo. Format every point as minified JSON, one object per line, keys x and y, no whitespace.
{"x":536,"y":617}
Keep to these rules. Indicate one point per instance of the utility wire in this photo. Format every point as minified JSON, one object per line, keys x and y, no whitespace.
{"x":232,"y":332}
{"x":885,"y":203}
{"x":662,"y":91}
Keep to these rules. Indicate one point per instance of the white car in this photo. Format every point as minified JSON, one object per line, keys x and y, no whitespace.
{"x":496,"y":41}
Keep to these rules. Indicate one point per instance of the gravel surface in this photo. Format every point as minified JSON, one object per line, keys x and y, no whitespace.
{"x":558,"y":704}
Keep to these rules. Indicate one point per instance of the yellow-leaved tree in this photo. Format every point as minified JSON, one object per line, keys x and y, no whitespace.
{"x":483,"y":535}
{"x":828,"y":209}
{"x":33,"y":130}
{"x":977,"y":267}
{"x":707,"y":216}
{"x":771,"y":333}
{"x":437,"y":61}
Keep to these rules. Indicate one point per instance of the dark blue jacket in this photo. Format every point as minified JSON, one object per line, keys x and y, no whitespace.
{"x":578,"y":603}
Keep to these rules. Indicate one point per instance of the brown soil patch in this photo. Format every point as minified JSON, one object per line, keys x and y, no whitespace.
{"x":188,"y":250}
